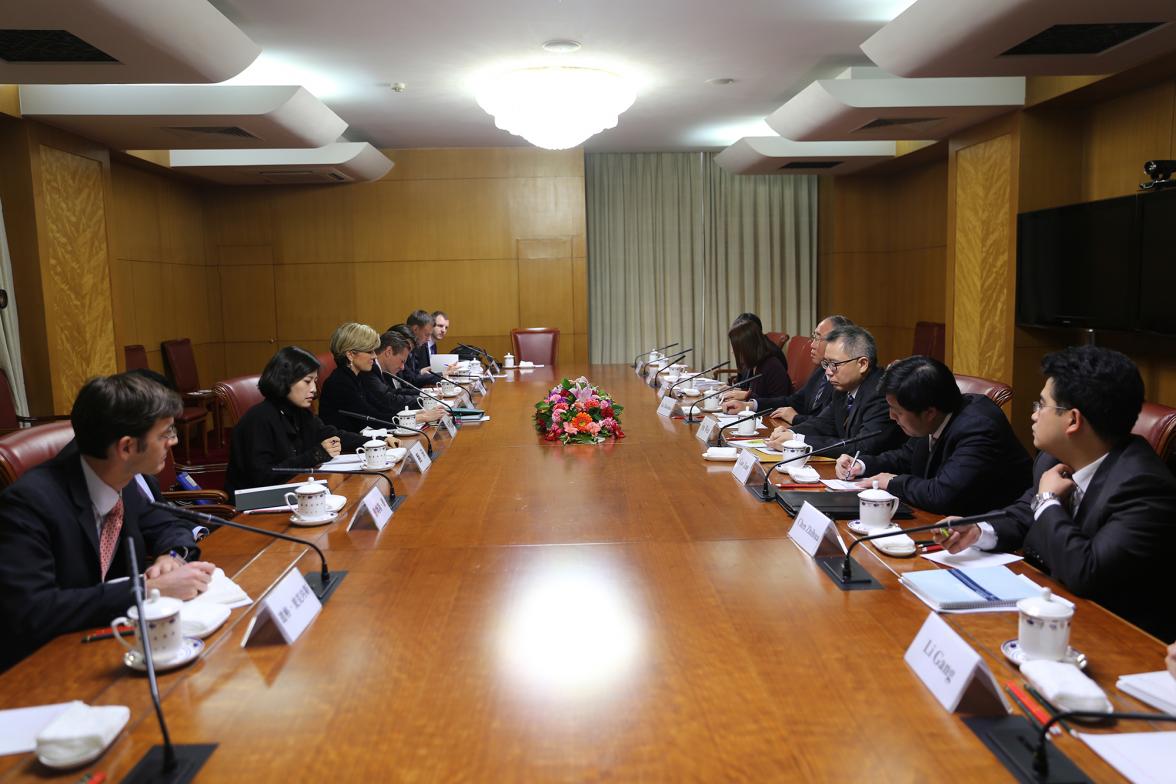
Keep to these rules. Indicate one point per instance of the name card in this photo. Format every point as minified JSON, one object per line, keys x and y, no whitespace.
{"x":815,"y":533}
{"x":290,"y":606}
{"x":662,"y":389}
{"x":450,"y":425}
{"x":666,"y":406}
{"x":419,"y":456}
{"x":743,"y":466}
{"x":706,"y":430}
{"x":479,"y":388}
{"x":373,"y":512}
{"x":651,"y":373}
{"x":953,"y":671}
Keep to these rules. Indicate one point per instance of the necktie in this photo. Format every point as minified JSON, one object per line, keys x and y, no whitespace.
{"x":848,"y":407}
{"x":108,"y":540}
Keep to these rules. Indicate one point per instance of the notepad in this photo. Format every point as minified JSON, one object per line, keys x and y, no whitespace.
{"x":1157,"y":689}
{"x":970,"y":589}
{"x":1142,"y":757}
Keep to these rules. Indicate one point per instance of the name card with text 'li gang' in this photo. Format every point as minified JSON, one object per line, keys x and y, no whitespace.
{"x":666,"y":406}
{"x":706,"y":430}
{"x":419,"y":457}
{"x":743,"y":466}
{"x":290,"y":606}
{"x":373,"y":512}
{"x":815,"y":533}
{"x":953,"y":671}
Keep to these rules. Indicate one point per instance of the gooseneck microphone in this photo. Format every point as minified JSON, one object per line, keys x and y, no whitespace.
{"x":385,"y":423}
{"x":458,"y":412}
{"x":166,"y":763}
{"x":962,"y":522}
{"x":323,"y":583}
{"x":753,"y":415}
{"x":637,"y":358}
{"x":394,"y":501}
{"x":669,"y":361}
{"x":479,"y":352}
{"x":765,"y":493}
{"x":696,"y":375}
{"x":694,"y":406}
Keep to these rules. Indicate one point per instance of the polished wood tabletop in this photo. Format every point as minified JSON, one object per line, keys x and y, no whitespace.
{"x":538,"y":612}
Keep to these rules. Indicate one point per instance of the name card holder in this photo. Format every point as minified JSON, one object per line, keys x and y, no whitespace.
{"x":706,"y":431}
{"x":667,"y":407}
{"x":419,"y":457}
{"x":953,"y":671}
{"x":373,"y":512}
{"x":289,"y":608}
{"x":744,"y":466}
{"x":816,"y":534}
{"x":449,"y":425}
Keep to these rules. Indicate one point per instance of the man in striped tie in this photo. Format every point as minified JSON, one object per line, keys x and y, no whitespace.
{"x":65,"y":523}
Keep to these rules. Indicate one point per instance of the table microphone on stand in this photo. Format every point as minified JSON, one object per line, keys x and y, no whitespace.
{"x":394,"y":501}
{"x":386,"y":423}
{"x":690,"y":420}
{"x":696,"y":375}
{"x":765,"y":493}
{"x":457,"y":412}
{"x":166,"y":764}
{"x":752,"y":416}
{"x":636,"y":359}
{"x":481,"y":352}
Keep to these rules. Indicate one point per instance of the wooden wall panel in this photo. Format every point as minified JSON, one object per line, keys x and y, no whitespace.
{"x":78,"y":313}
{"x":484,"y":163}
{"x":545,"y":294}
{"x":982,"y":335}
{"x":248,"y":358}
{"x":1120,"y":134}
{"x":313,"y":224}
{"x":247,"y":303}
{"x":136,"y":214}
{"x":310,"y":298}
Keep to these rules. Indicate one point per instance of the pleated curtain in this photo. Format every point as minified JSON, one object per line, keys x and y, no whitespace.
{"x":9,"y":329}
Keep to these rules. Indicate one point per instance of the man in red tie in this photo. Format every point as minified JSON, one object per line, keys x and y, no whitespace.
{"x":64,"y":524}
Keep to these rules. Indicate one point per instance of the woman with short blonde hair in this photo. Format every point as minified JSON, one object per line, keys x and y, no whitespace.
{"x":351,"y":340}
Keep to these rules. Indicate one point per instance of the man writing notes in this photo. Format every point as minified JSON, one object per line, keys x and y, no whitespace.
{"x":1100,"y":516}
{"x":856,"y":406}
{"x":802,"y":403}
{"x":64,"y":524}
{"x":961,"y":456}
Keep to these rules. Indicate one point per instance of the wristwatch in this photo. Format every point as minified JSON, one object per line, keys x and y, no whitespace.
{"x":1040,"y":499}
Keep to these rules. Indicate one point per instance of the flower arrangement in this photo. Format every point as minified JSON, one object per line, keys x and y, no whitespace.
{"x":576,"y":412}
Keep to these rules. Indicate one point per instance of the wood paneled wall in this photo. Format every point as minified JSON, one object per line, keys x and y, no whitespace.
{"x":881,"y":252}
{"x":494,"y":237}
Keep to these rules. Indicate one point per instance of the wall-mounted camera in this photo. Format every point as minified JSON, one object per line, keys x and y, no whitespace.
{"x":1161,"y":174}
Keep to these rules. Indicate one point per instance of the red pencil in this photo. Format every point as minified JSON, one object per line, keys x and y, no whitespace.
{"x":1030,"y":704}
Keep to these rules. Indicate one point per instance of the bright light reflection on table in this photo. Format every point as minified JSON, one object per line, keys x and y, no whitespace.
{"x":570,"y":633}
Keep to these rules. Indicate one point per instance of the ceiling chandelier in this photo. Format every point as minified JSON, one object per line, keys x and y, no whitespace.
{"x":556,"y":107}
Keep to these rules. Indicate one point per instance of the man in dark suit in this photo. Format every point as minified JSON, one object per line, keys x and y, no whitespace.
{"x":961,"y":456}
{"x":416,"y":368}
{"x":440,"y":330}
{"x":64,"y":524}
{"x":856,"y":406}
{"x":1101,"y":514}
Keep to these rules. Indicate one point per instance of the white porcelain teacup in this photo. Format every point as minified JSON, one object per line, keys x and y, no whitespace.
{"x":508,"y":360}
{"x":163,"y":626}
{"x":876,"y":508}
{"x":448,"y":388}
{"x":795,"y":451}
{"x":747,"y":427}
{"x":374,"y":453}
{"x":711,"y":404}
{"x":406,"y":418}
{"x":1043,"y":628}
{"x":309,"y":501}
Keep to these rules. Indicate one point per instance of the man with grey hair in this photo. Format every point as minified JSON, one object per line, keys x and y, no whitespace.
{"x":856,"y":407}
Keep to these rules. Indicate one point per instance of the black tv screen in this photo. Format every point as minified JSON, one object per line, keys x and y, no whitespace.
{"x":1078,"y":265}
{"x":1157,"y":255}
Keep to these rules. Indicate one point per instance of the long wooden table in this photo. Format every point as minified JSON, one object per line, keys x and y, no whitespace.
{"x":539,"y":612}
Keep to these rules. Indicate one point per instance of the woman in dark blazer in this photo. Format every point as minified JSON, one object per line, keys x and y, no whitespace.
{"x":756,"y":355}
{"x":281,"y":430}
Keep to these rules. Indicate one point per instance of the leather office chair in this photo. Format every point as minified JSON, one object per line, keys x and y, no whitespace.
{"x":1157,"y":423}
{"x":238,"y":395}
{"x":180,"y":362}
{"x":136,"y":357}
{"x":326,"y":368}
{"x":930,"y":337}
{"x":800,"y":361}
{"x":535,"y":344}
{"x":779,"y":338}
{"x":997,"y":391}
{"x":9,"y":419}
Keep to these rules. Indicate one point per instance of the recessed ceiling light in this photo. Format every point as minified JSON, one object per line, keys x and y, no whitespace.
{"x":721,"y":81}
{"x":562,"y":46}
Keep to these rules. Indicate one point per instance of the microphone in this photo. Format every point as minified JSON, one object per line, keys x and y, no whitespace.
{"x":696,"y":375}
{"x":385,"y":423}
{"x":481,"y":352}
{"x":647,"y":353}
{"x":458,"y":412}
{"x":691,"y":408}
{"x":394,"y":501}
{"x":323,"y":583}
{"x":164,"y":763}
{"x":669,"y":361}
{"x":766,"y":493}
{"x":722,"y":441}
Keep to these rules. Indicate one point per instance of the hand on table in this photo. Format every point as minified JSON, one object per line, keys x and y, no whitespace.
{"x":163,"y":564}
{"x":787,"y":413}
{"x":734,"y":406}
{"x":957,"y":541}
{"x":392,"y":442}
{"x":778,"y":437}
{"x":184,"y":582}
{"x":735,"y":394}
{"x":332,"y":446}
{"x":430,"y":415}
{"x":883,"y":481}
{"x":848,"y":468}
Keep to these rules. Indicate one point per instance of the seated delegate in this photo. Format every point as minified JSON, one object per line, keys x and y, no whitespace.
{"x":1100,"y":516}
{"x":759,"y":359}
{"x":281,"y":430}
{"x":383,"y":385}
{"x":961,"y":456}
{"x":64,"y":524}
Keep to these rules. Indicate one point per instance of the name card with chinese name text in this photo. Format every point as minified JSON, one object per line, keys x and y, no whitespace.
{"x":666,"y":406}
{"x":742,"y":468}
{"x":373,"y":511}
{"x":420,"y":457}
{"x":706,"y":430}
{"x":953,"y":671}
{"x":815,"y":533}
{"x":290,"y":606}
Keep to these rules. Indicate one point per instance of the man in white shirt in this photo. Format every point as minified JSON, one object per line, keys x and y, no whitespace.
{"x":440,"y":329}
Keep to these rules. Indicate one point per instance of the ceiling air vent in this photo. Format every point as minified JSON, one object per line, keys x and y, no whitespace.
{"x":811,"y":164}
{"x":908,"y":122}
{"x":48,"y":46}
{"x":211,"y":130}
{"x":1081,"y":38}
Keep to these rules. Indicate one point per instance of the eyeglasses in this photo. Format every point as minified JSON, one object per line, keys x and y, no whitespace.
{"x":169,"y":435}
{"x":817,"y":337}
{"x":828,"y":364}
{"x":1038,"y":405}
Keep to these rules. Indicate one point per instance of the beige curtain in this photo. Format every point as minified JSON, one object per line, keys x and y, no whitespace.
{"x":677,"y":248}
{"x":9,"y":330}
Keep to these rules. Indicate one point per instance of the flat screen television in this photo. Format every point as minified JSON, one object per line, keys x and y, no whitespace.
{"x":1078,"y":265}
{"x":1157,"y":262}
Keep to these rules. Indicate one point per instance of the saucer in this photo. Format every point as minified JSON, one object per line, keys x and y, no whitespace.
{"x":296,"y":520}
{"x":189,"y":650}
{"x":1012,"y":651}
{"x":336,"y":502}
{"x":400,"y":431}
{"x":857,"y":527}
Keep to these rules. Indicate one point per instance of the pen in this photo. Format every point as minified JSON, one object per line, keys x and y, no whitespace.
{"x":849,"y":471}
{"x":931,"y":548}
{"x":797,"y":486}
{"x":1024,"y":709}
{"x":106,"y":635}
{"x":1027,"y":705}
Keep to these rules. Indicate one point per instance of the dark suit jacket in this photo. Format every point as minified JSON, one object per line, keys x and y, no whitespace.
{"x":870,"y":413}
{"x":978,"y":463}
{"x":416,"y":369}
{"x":50,"y":574}
{"x":398,"y":395}
{"x":363,"y":393}
{"x":808,"y":401}
{"x":773,"y":377}
{"x":1119,"y":549}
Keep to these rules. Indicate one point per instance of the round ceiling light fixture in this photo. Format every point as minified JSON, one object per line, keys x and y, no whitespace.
{"x":561,"y":46}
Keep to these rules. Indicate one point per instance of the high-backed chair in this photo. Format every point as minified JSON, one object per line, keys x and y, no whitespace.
{"x":998,"y":391}
{"x":930,"y":337}
{"x":326,"y":368}
{"x":800,"y":360}
{"x":1157,"y":423}
{"x":779,"y":338}
{"x":535,"y":344}
{"x":238,"y":395}
{"x":136,"y":357}
{"x":180,"y":362}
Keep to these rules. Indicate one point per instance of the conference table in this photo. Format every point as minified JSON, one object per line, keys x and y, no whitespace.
{"x":539,"y":612}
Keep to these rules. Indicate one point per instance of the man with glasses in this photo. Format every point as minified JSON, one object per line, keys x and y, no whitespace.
{"x":856,"y":406}
{"x":65,"y":523}
{"x":809,"y":400}
{"x":1101,"y":514}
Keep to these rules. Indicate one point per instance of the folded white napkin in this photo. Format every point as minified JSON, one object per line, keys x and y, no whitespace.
{"x":222,"y":590}
{"x":722,"y":452}
{"x":525,"y":363}
{"x":1065,"y":686}
{"x":80,"y":733}
{"x":372,"y":432}
{"x":803,"y":473}
{"x":200,"y":619}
